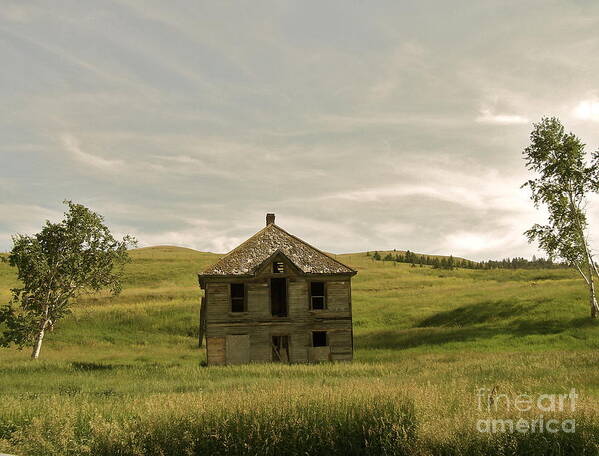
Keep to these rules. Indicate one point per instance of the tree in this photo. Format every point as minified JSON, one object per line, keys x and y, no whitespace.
{"x":63,"y":261}
{"x":563,"y":181}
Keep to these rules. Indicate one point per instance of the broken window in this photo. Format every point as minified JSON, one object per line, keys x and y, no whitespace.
{"x":278,"y":297}
{"x":280,"y":348}
{"x":278,"y":267}
{"x":237,"y":297}
{"x":319,"y":339}
{"x":317,"y":296}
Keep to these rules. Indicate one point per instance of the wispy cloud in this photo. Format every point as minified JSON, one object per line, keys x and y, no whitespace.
{"x":71,"y":144}
{"x":185,"y":164}
{"x":488,"y":117}
{"x":472,"y":187}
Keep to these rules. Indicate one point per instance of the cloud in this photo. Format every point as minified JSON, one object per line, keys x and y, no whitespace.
{"x":23,"y":219}
{"x":185,"y":164}
{"x":431,"y":190}
{"x":361,"y":128}
{"x":71,"y":144}
{"x":199,"y":235}
{"x":339,"y":122}
{"x":19,"y":13}
{"x":587,"y":110}
{"x":464,"y":184}
{"x":488,"y":117}
{"x":204,"y":241}
{"x":482,"y":244}
{"x":471,"y":242}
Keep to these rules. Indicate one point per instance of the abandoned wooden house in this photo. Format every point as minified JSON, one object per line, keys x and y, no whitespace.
{"x":276,"y":298}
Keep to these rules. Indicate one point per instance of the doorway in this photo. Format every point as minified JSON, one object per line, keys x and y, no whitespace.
{"x":278,"y":297}
{"x":238,"y":349}
{"x":280,"y":349}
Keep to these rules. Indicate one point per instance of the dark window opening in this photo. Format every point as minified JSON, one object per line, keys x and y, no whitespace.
{"x":317,"y":296}
{"x":278,"y":297}
{"x":280,"y":348}
{"x":237,"y":297}
{"x":278,"y":267}
{"x":319,"y":339}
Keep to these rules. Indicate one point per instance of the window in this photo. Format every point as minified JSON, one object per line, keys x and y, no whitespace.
{"x":237,"y":297}
{"x":278,"y":267}
{"x":317,"y":300}
{"x":319,"y":339}
{"x":278,"y":297}
{"x":280,"y":348}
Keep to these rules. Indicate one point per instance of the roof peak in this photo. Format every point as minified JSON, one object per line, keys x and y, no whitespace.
{"x":244,"y":259}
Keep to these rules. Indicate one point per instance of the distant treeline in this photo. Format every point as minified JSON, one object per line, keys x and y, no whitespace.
{"x":451,"y":263}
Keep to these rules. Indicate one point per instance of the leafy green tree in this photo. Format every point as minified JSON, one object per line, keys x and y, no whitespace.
{"x":376,"y":256}
{"x":55,"y":266}
{"x":564,"y":179}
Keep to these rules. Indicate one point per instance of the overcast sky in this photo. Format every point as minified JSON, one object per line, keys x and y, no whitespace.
{"x":362,"y":125}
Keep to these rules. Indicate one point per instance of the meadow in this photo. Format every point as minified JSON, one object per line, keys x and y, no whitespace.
{"x":124,"y":375}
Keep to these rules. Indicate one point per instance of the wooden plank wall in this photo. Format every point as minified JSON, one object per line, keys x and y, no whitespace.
{"x":215,"y":351}
{"x":260,"y":325}
{"x":338,"y":296}
{"x":237,"y":349}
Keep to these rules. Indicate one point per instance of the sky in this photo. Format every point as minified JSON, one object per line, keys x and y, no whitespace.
{"x":362,"y":125}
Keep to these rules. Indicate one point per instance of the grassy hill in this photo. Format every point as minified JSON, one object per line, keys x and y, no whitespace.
{"x":395,"y":252}
{"x":425,"y":341}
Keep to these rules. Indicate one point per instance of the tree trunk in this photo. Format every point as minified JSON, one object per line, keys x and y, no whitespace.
{"x":37,"y":346}
{"x":589,"y":259}
{"x":592,"y":298}
{"x":594,"y":305}
{"x":202,"y":328}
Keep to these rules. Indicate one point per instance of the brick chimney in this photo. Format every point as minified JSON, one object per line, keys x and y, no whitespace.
{"x":270,"y":219}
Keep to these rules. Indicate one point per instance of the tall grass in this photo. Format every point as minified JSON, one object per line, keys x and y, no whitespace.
{"x":267,"y":423}
{"x":280,"y":421}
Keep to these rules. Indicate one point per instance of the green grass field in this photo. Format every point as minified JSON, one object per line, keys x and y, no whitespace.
{"x":124,"y":375}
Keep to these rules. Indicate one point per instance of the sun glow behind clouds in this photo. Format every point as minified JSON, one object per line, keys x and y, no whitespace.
{"x":468,"y":242}
{"x":587,"y":110}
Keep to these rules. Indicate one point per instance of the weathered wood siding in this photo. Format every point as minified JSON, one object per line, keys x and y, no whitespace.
{"x":259,"y":324}
{"x":215,"y":351}
{"x":237,"y":349}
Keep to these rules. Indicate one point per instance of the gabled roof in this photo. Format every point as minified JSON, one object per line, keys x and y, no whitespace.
{"x":247,"y":257}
